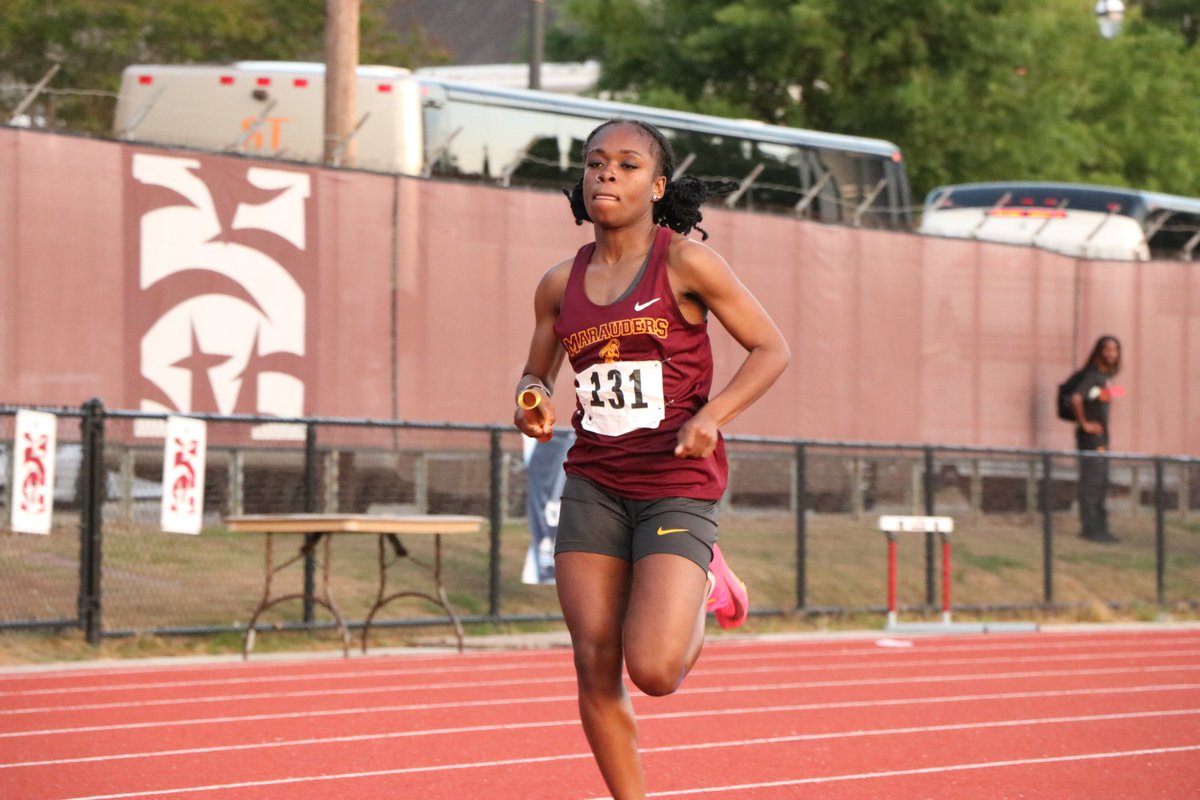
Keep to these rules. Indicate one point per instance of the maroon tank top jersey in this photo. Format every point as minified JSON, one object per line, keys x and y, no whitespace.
{"x":641,"y":372}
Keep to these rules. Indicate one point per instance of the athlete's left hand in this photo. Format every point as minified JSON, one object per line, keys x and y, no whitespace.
{"x":697,"y":438}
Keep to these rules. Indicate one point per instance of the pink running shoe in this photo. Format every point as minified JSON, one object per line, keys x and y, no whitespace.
{"x":728,"y":599}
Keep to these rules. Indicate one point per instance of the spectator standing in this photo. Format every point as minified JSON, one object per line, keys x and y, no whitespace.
{"x":1090,"y":402}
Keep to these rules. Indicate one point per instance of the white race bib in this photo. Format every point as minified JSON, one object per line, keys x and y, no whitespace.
{"x":621,"y":396}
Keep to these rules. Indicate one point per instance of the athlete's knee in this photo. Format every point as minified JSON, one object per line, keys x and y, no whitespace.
{"x":655,"y":676}
{"x":655,"y":666}
{"x":597,"y":665}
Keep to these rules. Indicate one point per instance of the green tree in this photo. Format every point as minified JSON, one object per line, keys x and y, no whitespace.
{"x":1142,"y":108}
{"x":94,"y":40}
{"x":1180,"y":15}
{"x":969,"y":89}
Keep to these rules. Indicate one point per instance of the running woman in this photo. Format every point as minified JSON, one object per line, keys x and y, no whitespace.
{"x":636,"y":559}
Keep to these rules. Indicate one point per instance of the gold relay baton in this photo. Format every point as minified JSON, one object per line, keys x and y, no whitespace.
{"x":528,"y":399}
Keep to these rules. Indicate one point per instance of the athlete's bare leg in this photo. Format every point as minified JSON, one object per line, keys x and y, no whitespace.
{"x":593,"y":591}
{"x":664,"y":625}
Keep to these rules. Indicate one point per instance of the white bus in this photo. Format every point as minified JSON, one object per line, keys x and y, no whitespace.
{"x":425,"y":125}
{"x":1086,"y":221}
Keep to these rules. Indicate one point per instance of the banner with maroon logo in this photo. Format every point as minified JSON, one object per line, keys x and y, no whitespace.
{"x":224,"y":267}
{"x":183,"y":475}
{"x":33,"y":472}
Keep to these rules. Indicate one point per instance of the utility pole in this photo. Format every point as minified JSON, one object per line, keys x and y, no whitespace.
{"x":537,"y":41}
{"x":341,"y":80}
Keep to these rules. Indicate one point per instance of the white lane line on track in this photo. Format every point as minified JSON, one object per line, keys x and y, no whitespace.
{"x":667,"y":749}
{"x":460,"y":685}
{"x":665,"y":715}
{"x":899,"y":773}
{"x":702,"y":670}
{"x":930,"y":645}
{"x":365,"y":737}
{"x":323,"y":692}
{"x":716,"y":651}
{"x":339,"y":776}
{"x":332,"y":675}
{"x":299,"y":659}
{"x":927,"y":645}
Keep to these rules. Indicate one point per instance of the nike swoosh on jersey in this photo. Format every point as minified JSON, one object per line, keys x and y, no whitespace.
{"x":665,"y":531}
{"x":645,"y":305}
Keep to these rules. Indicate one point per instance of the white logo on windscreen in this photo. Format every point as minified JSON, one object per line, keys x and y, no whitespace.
{"x":232,"y":336}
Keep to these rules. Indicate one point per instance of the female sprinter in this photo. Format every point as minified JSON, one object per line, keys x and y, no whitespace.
{"x":636,"y":560}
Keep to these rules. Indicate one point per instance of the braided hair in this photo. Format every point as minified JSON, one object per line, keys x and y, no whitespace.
{"x":679,"y":206}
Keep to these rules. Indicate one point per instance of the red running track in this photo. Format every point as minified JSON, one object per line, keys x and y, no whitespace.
{"x":1041,"y":716}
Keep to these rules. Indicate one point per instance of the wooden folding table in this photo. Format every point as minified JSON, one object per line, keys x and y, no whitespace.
{"x":320,"y":529}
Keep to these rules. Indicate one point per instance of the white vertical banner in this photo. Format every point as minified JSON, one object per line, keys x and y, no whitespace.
{"x":183,"y":475}
{"x":33,"y":471}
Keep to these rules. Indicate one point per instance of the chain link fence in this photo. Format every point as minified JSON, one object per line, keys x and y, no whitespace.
{"x":799,"y":524}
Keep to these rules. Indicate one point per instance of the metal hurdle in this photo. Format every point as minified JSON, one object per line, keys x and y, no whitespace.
{"x":943,"y":526}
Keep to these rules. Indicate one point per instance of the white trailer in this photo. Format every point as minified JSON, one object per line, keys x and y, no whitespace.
{"x":270,"y":108}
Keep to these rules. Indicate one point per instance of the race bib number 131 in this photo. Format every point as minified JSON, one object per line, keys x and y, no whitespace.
{"x":621,"y":396}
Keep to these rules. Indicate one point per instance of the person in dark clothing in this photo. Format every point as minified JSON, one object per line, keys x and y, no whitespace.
{"x":1091,"y":401}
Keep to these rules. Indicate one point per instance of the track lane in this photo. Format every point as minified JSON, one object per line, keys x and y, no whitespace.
{"x":140,"y":722}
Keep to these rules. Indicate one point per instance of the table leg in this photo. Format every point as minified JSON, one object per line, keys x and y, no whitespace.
{"x":445,"y":601}
{"x":264,"y":602}
{"x":382,"y":598}
{"x":268,"y":602}
{"x":333,"y":609}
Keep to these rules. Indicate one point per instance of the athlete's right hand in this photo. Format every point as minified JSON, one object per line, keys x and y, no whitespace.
{"x":536,"y":422}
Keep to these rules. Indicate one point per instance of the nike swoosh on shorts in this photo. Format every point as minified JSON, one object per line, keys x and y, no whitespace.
{"x":665,"y":531}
